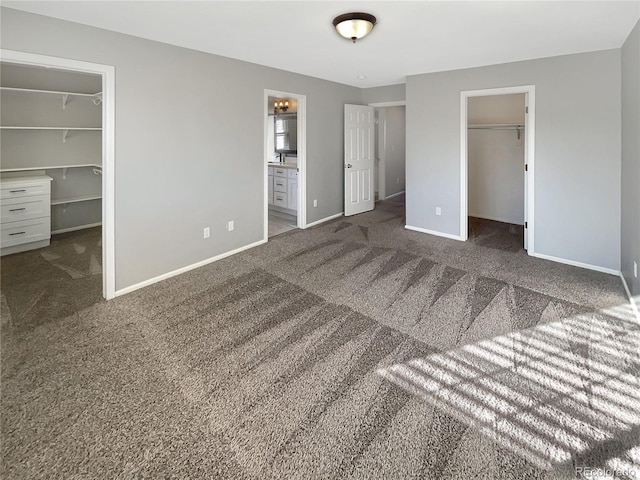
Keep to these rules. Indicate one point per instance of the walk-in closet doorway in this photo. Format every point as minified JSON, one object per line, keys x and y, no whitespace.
{"x":106,"y":74}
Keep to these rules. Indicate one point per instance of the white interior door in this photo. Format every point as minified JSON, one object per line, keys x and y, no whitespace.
{"x":359,"y":123}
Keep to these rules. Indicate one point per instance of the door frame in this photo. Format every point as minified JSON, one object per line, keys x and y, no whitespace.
{"x":381,"y":142}
{"x":529,"y":157}
{"x":107,"y":72}
{"x":302,"y":156}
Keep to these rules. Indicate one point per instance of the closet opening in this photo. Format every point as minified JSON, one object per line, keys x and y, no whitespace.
{"x":56,"y":244}
{"x":497,"y":183}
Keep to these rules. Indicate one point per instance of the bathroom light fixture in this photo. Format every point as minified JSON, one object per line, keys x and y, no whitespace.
{"x":282,"y":105}
{"x":354,"y":25}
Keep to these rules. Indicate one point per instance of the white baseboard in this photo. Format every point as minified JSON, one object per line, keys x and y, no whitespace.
{"x":433,"y":232}
{"x":495,"y":219}
{"x":24,"y":247}
{"x":73,"y":229}
{"x":393,"y":195}
{"x":179,"y":271}
{"x":634,"y":305}
{"x":318,"y":222}
{"x":588,"y":266}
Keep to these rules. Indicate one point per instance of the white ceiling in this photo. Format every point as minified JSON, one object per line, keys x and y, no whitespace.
{"x":411,"y":37}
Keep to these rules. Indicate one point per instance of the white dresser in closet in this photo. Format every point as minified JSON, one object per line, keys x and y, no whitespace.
{"x":25,"y":213}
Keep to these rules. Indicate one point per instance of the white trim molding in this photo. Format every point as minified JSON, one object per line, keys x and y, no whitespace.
{"x":73,"y":229}
{"x":393,"y":195}
{"x":107,"y":72}
{"x":529,"y":136}
{"x":322,"y":220}
{"x":433,"y":232}
{"x":574,"y":263}
{"x":182,"y":270}
{"x":495,"y":219}
{"x":397,"y":103}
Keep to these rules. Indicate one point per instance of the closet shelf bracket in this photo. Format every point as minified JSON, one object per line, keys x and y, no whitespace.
{"x":65,"y":132}
{"x":65,"y":99}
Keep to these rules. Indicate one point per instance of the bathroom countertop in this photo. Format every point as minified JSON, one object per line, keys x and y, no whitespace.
{"x":282,"y":165}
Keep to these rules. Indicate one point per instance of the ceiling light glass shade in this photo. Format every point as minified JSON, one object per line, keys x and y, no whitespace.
{"x":354,"y":25}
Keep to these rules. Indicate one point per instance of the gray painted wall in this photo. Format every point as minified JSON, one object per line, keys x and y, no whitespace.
{"x":179,"y":146}
{"x":387,"y":93}
{"x":182,"y":161}
{"x":631,"y":160}
{"x":577,"y":165}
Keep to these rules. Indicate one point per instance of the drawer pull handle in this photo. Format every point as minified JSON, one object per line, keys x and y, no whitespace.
{"x":17,"y":209}
{"x":17,"y":191}
{"x":17,"y":233}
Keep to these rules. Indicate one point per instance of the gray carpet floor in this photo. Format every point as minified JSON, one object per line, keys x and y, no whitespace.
{"x":54,"y":282}
{"x":356,"y":349}
{"x":499,"y":235}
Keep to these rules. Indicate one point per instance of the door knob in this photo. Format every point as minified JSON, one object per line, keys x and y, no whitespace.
{"x":348,"y":165}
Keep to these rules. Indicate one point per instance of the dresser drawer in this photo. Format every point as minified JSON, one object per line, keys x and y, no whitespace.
{"x":26,"y":231}
{"x":280,"y":199}
{"x":279,"y":184}
{"x":293,"y":173}
{"x":16,"y":209}
{"x":24,"y":189}
{"x":280,"y":172}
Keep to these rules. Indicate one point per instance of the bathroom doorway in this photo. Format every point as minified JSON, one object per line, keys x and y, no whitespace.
{"x":284,"y":162}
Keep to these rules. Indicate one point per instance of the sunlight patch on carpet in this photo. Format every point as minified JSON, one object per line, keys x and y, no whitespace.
{"x":549,"y":394}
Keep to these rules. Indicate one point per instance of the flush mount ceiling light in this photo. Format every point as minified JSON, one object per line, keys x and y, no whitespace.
{"x":354,"y":25}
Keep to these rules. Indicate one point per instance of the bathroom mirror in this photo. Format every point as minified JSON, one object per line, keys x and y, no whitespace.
{"x":286,"y":133}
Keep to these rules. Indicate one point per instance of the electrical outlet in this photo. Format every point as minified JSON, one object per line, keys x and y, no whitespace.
{"x":438,"y":211}
{"x":635,"y":269}
{"x":315,"y":203}
{"x":230,"y":226}
{"x":206,"y":233}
